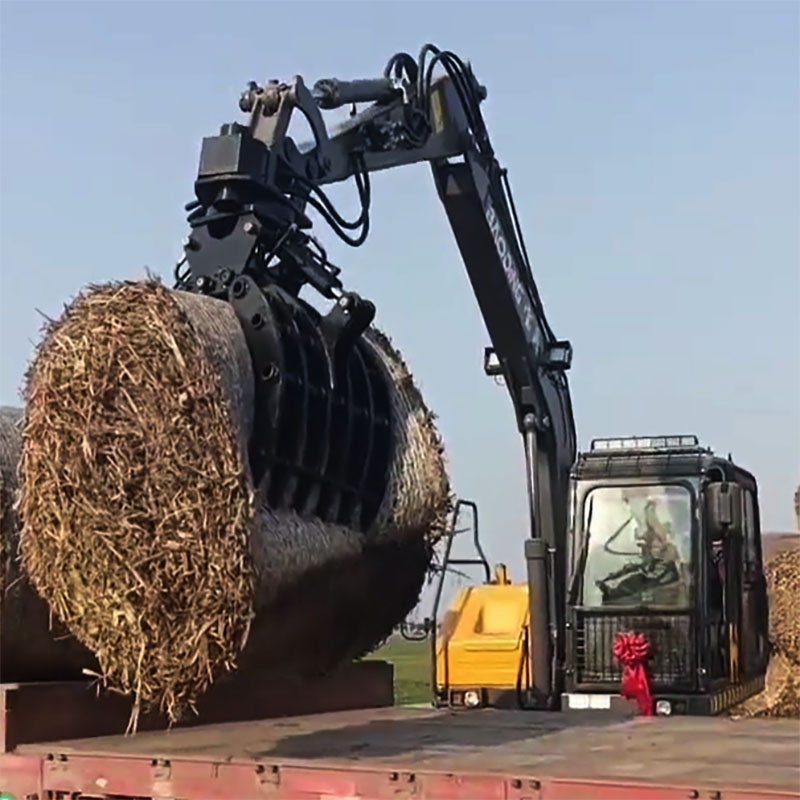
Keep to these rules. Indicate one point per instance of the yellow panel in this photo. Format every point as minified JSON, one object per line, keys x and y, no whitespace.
{"x":482,"y":638}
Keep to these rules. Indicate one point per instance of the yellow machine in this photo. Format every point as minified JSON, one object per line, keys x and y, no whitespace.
{"x":483,"y":642}
{"x":480,"y":651}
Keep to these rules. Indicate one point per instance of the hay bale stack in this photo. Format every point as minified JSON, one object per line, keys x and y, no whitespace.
{"x":10,"y":442}
{"x":783,"y":588}
{"x":781,"y":695}
{"x":141,"y":524}
{"x":30,"y":650}
{"x":797,"y":507}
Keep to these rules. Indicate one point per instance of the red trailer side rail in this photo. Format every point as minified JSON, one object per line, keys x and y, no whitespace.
{"x":115,"y":777}
{"x":425,"y":755}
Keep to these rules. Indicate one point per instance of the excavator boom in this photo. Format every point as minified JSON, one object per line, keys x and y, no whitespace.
{"x":250,"y":229}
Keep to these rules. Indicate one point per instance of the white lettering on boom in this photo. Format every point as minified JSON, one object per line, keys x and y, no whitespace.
{"x":521,"y":299}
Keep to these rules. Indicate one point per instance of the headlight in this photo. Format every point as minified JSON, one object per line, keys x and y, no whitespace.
{"x":663,"y":708}
{"x":472,"y":699}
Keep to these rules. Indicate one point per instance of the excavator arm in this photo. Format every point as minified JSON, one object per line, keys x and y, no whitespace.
{"x":251,"y":234}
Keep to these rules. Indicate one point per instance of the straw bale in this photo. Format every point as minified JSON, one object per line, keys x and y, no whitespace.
{"x":781,"y":694}
{"x":348,"y":590}
{"x":10,"y":441}
{"x":418,"y":497}
{"x":339,"y":610}
{"x":141,"y":526}
{"x":783,"y":587}
{"x":135,"y":502}
{"x":797,"y":507}
{"x":32,"y":646}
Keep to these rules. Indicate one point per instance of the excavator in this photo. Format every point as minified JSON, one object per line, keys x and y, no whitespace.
{"x":651,"y":537}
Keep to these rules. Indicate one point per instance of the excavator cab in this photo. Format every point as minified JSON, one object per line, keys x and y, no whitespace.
{"x":664,"y":541}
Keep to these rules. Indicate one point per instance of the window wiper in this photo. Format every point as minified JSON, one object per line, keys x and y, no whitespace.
{"x":614,"y":535}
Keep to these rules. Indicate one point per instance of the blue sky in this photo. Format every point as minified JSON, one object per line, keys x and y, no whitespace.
{"x":653,"y":150}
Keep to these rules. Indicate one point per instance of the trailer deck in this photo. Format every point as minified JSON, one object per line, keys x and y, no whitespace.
{"x":424,"y":753}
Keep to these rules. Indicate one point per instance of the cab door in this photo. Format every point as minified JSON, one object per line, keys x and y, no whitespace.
{"x":753,"y":643}
{"x":723,"y":619}
{"x":732,"y":609}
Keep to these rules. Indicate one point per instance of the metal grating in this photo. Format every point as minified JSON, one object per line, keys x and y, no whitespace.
{"x":671,"y":640}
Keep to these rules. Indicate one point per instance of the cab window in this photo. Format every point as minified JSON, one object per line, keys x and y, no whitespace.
{"x":638,"y":543}
{"x":751,"y":555}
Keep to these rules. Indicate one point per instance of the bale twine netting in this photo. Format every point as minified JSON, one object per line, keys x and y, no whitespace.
{"x":33,"y":647}
{"x":142,"y":526}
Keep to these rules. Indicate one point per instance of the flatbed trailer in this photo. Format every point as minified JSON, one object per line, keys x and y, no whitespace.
{"x":422,"y":753}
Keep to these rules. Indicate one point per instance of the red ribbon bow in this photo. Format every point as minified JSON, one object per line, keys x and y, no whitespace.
{"x":632,"y":651}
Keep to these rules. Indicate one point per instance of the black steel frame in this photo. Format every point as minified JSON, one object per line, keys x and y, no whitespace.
{"x":249,"y":221}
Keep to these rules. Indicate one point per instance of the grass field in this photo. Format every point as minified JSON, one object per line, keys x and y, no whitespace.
{"x":411,"y":662}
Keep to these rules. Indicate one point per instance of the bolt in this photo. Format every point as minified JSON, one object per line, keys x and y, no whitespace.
{"x":251,"y":228}
{"x":226,"y":275}
{"x":201,"y":282}
{"x":239,"y":288}
{"x":246,"y":101}
{"x":529,"y":421}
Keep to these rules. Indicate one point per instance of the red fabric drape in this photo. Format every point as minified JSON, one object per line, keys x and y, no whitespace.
{"x":632,"y":651}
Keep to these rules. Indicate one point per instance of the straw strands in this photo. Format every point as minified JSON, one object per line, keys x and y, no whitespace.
{"x":33,"y":647}
{"x":141,"y":524}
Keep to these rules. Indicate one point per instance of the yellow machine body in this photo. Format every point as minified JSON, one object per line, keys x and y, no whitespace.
{"x":483,"y":641}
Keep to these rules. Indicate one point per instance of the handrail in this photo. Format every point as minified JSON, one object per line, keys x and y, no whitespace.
{"x":446,"y":561}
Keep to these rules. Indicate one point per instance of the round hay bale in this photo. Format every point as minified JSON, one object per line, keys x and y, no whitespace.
{"x":33,"y":647}
{"x":141,"y":524}
{"x":782,"y":688}
{"x":781,"y":694}
{"x":783,"y":588}
{"x":10,"y":442}
{"x":135,"y":499}
{"x":797,"y":507}
{"x":418,"y":493}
